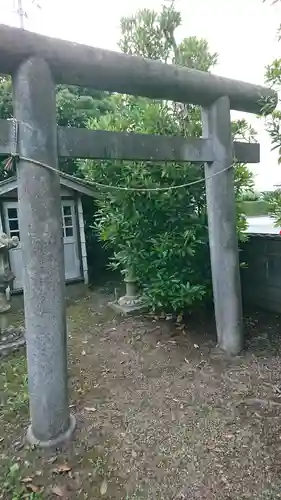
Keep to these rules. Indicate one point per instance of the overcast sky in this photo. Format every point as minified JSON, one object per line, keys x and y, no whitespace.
{"x":243,"y":32}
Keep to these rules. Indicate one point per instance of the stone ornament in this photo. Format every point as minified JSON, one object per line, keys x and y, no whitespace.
{"x":11,"y":339}
{"x":6,"y":275}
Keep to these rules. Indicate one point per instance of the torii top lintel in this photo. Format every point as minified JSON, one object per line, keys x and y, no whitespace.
{"x":77,"y":64}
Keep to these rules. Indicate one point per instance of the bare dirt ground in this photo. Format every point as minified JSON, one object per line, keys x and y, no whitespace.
{"x":161,"y":413}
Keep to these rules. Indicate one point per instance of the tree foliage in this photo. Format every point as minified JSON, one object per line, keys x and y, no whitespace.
{"x":6,"y":105}
{"x":75,"y":106}
{"x":161,"y":235}
{"x":273,"y":200}
{"x":273,"y":125}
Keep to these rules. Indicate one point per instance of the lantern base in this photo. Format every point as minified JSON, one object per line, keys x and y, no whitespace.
{"x":129,"y":305}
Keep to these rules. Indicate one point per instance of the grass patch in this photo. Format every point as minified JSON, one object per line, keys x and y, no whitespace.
{"x":272,"y":494}
{"x":16,"y":487}
{"x":13,"y":380}
{"x":139,"y":494}
{"x":255,"y":208}
{"x":99,"y":466}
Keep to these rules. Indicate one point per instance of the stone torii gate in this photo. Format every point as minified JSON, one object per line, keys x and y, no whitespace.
{"x":36,"y":63}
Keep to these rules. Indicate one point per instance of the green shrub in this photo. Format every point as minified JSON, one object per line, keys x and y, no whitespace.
{"x":161,"y":235}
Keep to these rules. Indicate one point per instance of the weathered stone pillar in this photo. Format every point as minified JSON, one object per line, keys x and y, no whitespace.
{"x":222,"y":227}
{"x":43,"y":257}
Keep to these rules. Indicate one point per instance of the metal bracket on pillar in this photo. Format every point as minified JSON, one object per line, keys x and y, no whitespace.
{"x":222,"y":227}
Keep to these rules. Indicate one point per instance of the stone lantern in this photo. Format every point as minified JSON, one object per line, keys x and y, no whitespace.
{"x":11,"y":338}
{"x":132,"y":302}
{"x":6,"y":275}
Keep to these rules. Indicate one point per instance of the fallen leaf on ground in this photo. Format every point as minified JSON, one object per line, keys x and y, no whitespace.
{"x":33,"y":488}
{"x":60,"y":491}
{"x":61,"y":469}
{"x":90,"y":409}
{"x":103,"y":487}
